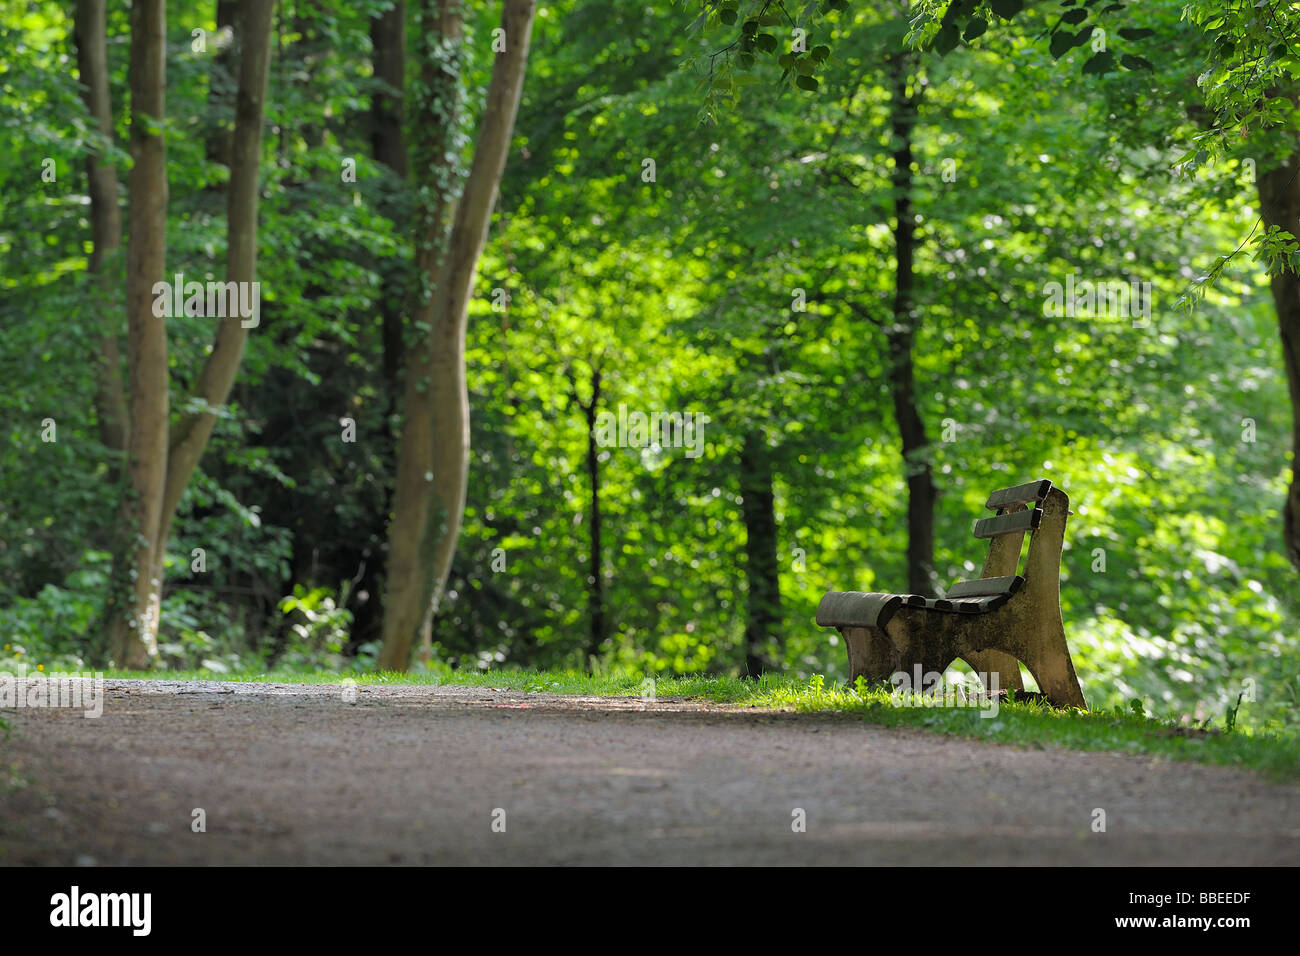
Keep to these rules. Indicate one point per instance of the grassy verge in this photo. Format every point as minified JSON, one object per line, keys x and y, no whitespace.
{"x":1023,"y":723}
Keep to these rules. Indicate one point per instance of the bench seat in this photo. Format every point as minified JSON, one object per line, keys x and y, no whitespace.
{"x":874,"y":609}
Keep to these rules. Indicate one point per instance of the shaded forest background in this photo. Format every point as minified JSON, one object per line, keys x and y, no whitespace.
{"x":662,"y":243}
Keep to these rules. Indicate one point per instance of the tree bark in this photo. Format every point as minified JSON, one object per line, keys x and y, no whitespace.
{"x":134,"y":602}
{"x":433,"y":458}
{"x":105,"y":224}
{"x":1279,"y":200}
{"x":921,"y":492}
{"x":762,"y":573}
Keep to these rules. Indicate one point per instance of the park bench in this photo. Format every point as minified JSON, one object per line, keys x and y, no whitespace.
{"x":993,"y":623}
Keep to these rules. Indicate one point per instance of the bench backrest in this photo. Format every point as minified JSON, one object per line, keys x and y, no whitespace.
{"x":1019,"y":509}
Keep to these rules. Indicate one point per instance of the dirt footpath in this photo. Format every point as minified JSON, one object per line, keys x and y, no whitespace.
{"x":296,"y":774}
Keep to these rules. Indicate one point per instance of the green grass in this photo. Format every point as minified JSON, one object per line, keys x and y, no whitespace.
{"x":1022,"y":723}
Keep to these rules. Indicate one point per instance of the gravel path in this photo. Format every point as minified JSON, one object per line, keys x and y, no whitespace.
{"x":297,"y":774}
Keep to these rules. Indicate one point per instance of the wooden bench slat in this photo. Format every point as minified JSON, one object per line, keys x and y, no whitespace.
{"x":1019,"y":494}
{"x":977,"y":605}
{"x":982,"y":587}
{"x":1008,"y":523}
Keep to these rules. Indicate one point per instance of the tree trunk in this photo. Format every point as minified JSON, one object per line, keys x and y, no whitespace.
{"x":105,"y":224}
{"x":596,"y":576}
{"x":134,"y":602}
{"x":388,"y":144}
{"x":439,"y":95}
{"x":762,"y":574}
{"x":220,"y":140}
{"x":387,"y":115}
{"x":921,"y":492}
{"x":190,"y":437}
{"x":387,"y":112}
{"x":430,"y":494}
{"x":1279,"y":200}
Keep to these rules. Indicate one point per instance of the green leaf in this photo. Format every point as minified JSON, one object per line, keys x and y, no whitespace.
{"x":1103,"y":62}
{"x":820,"y":53}
{"x":976,"y":28}
{"x":946,"y":38}
{"x":1007,"y":9}
{"x":1062,"y":42}
{"x":1135,"y":62}
{"x":1135,"y":33}
{"x":765,"y":42}
{"x":728,"y":16}
{"x":806,"y":83}
{"x":1075,"y":16}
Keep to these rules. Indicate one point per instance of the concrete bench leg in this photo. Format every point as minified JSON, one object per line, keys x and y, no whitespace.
{"x":871,"y":654}
{"x":1048,"y":658}
{"x":996,"y":662}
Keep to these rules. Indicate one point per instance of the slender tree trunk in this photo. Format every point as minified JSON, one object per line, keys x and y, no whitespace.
{"x":596,"y":574}
{"x":388,"y":141}
{"x":133,"y":619}
{"x":762,"y":573}
{"x":220,"y":86}
{"x":388,"y":144}
{"x":1279,"y":199}
{"x":440,"y":98}
{"x":190,"y":437}
{"x":105,"y":224}
{"x":387,"y":110}
{"x":433,"y":459}
{"x":921,"y":492}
